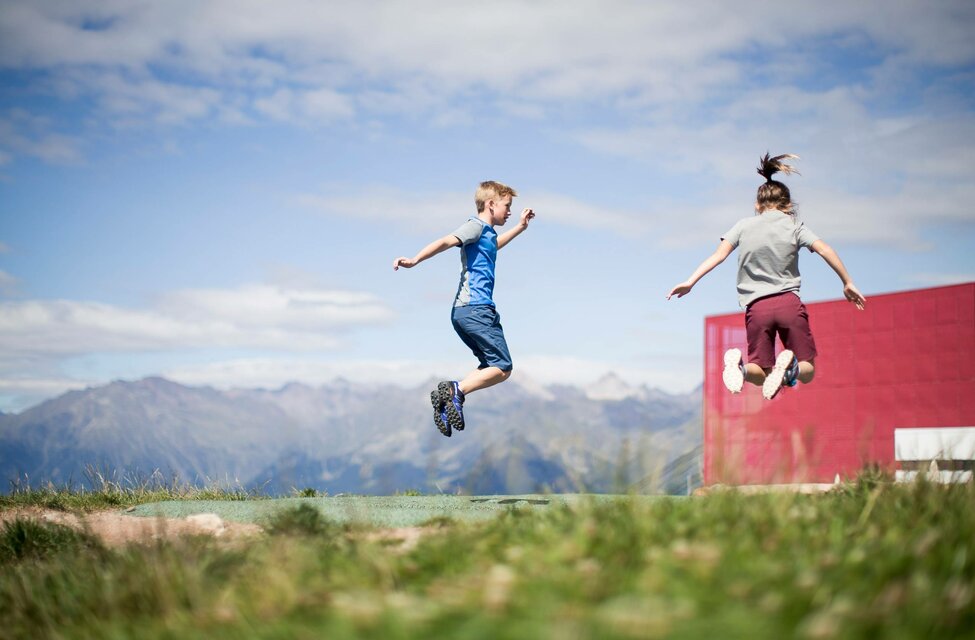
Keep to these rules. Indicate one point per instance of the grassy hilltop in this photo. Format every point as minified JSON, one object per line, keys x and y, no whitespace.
{"x":869,"y":560}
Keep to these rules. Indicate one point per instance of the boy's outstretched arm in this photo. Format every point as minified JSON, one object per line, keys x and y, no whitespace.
{"x":723,"y":251}
{"x":428,"y":251}
{"x":526,"y":216}
{"x":850,"y":292}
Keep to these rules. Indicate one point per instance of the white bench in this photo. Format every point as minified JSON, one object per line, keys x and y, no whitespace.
{"x":946,"y":454}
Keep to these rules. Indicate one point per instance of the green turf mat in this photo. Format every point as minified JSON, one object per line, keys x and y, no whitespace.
{"x":383,"y":511}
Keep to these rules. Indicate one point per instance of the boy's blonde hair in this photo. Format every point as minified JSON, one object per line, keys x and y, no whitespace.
{"x":491,"y":190}
{"x":773,"y":194}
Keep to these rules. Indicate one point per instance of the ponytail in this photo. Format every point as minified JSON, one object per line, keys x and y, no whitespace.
{"x":768,"y":167}
{"x":773,"y":194}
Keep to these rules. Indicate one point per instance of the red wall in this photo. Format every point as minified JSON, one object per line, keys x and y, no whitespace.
{"x":908,"y":360}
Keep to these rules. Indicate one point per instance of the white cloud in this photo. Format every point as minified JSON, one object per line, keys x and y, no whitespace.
{"x":899,"y":220}
{"x":39,"y":386}
{"x":275,"y":372}
{"x":839,"y":196}
{"x":661,"y":374}
{"x":258,"y":306}
{"x":316,"y":106}
{"x":27,"y":134}
{"x":581,"y":215}
{"x":636,"y":53}
{"x":145,"y":97}
{"x":871,"y":180}
{"x":428,"y":211}
{"x":39,"y":338}
{"x":257,"y":317}
{"x":439,"y":212}
{"x":546,"y":370}
{"x":17,"y":392}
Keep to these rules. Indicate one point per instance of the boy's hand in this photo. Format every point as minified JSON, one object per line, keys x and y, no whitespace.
{"x":406,"y":263}
{"x":853,"y":295}
{"x":681,"y":290}
{"x":527,"y":216}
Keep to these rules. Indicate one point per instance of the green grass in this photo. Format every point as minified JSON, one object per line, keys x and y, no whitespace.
{"x":872,"y":560}
{"x":22,"y":540}
{"x":109,"y":491}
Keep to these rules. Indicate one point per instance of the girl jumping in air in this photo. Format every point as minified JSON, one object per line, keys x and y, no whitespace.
{"x":768,"y":287}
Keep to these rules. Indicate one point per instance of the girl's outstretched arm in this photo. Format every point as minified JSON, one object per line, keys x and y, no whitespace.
{"x":723,"y":251}
{"x":850,"y":292}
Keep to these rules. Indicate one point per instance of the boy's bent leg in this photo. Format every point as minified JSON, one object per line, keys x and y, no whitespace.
{"x":483,"y":378}
{"x":480,"y":328}
{"x":451,"y":395}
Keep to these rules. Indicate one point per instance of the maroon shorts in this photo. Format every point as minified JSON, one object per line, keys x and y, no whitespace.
{"x":784,"y":315}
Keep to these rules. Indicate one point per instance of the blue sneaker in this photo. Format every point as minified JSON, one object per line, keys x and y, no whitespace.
{"x":439,"y":412}
{"x":774,"y":381}
{"x":453,"y":399}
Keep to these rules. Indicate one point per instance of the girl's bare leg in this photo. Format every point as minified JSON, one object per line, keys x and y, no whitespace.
{"x":806,"y":372}
{"x":754,"y":374}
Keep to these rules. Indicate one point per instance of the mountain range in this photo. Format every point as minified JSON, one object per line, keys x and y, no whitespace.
{"x":346,"y":437}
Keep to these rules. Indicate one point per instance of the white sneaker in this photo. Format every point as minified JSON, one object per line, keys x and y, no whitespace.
{"x":732,"y":374}
{"x":773,"y":381}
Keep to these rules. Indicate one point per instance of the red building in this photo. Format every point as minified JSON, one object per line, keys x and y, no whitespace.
{"x":904,"y":365}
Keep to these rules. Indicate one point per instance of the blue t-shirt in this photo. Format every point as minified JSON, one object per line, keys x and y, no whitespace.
{"x":478,"y":252}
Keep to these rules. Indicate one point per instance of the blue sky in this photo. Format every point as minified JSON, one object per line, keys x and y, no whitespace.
{"x":214,"y":191}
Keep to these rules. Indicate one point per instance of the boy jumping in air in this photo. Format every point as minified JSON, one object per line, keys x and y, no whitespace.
{"x":474,"y":315}
{"x":768,"y":286}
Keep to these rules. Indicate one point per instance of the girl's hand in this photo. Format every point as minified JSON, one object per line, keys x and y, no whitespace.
{"x":406,"y":263}
{"x":851,"y":293}
{"x":681,"y":290}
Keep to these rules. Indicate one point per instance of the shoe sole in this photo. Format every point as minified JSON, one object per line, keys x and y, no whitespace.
{"x":455,"y":419}
{"x":437,"y":417}
{"x":732,"y":375}
{"x":773,"y":381}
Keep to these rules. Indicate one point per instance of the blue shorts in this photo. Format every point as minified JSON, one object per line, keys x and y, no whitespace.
{"x":479,"y":326}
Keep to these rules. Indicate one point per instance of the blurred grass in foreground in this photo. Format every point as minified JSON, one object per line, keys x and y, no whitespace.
{"x":870,"y":560}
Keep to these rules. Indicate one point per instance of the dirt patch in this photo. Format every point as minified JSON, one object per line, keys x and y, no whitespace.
{"x":115,"y":528}
{"x":400,"y":539}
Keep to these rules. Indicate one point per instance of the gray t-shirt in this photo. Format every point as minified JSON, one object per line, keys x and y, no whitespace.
{"x":768,"y":256}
